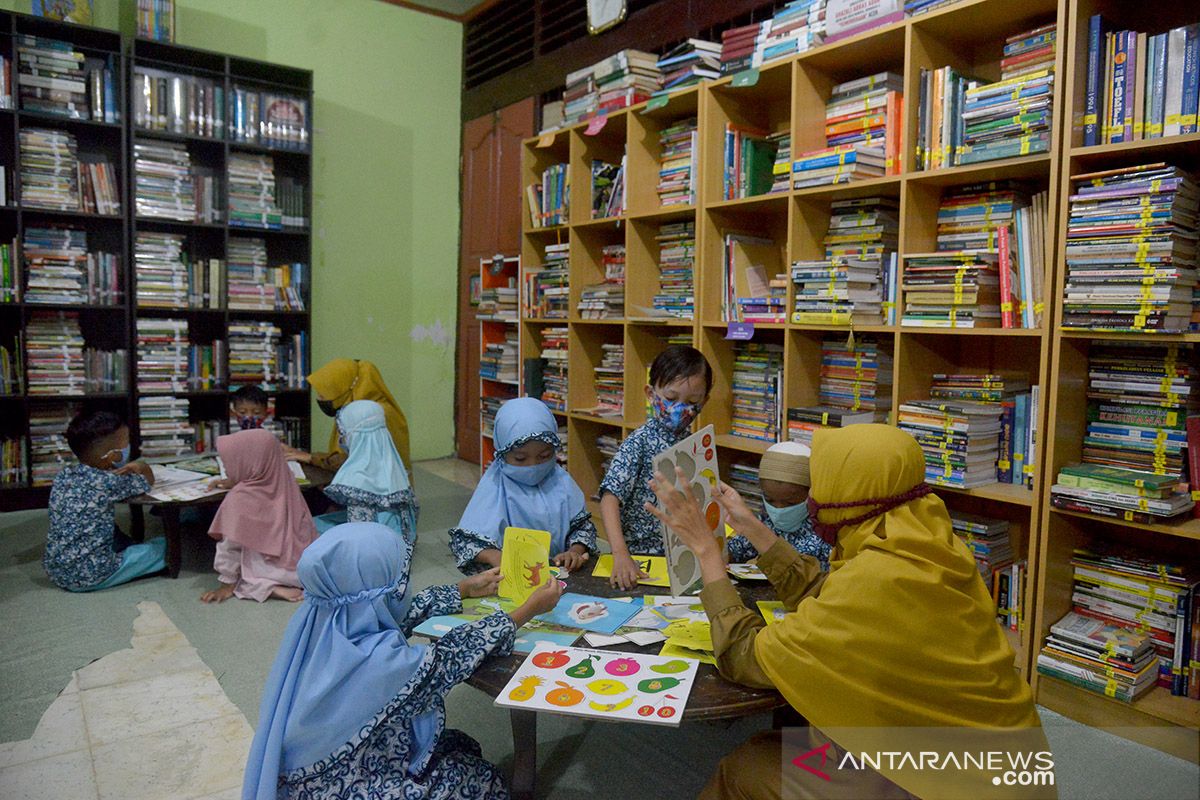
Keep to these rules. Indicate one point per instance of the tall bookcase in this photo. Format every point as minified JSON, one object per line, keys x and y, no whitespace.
{"x":790,"y":96}
{"x":1156,"y":718}
{"x":495,"y":329}
{"x":114,"y":326}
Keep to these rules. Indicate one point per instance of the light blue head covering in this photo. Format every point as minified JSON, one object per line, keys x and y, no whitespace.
{"x":343,"y":656}
{"x":373,"y":474}
{"x":501,"y":499}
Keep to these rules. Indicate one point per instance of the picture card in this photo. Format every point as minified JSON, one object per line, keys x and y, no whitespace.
{"x":524,"y":563}
{"x":746,"y":572}
{"x":696,"y":457}
{"x":654,"y":566}
{"x":600,"y":684}
{"x":529,"y":635}
{"x":658,"y":612}
{"x":598,"y":614}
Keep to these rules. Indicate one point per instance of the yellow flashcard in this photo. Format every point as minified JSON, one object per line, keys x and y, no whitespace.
{"x":691,"y":634}
{"x":672,"y":650}
{"x":654,"y":566}
{"x":771,"y":610}
{"x":524,"y":563}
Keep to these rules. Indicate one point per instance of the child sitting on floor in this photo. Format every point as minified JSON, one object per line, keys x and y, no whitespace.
{"x":352,"y":708}
{"x":524,"y":488}
{"x":372,"y":483}
{"x":783,"y":478}
{"x":680,"y":380}
{"x":85,"y":550}
{"x":262,"y":526}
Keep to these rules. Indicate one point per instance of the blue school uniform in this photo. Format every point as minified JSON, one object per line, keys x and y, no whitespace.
{"x":804,"y":540}
{"x":84,"y":549}
{"x":628,"y":479}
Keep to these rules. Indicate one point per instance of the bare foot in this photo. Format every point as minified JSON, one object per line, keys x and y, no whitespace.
{"x":219,"y":595}
{"x":289,"y":593}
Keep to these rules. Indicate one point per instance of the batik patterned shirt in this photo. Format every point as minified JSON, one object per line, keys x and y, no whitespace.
{"x":628,"y":479}
{"x":804,"y":540}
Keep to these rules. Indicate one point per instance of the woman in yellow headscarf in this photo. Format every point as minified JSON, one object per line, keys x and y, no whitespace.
{"x":901,"y":633}
{"x":343,"y":381}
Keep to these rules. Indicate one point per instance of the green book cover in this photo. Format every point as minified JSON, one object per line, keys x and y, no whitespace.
{"x":1127,"y":477}
{"x":758,"y":165}
{"x":1097,"y":485}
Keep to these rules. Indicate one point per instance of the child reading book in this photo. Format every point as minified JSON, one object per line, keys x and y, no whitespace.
{"x":85,"y":550}
{"x":783,"y":478}
{"x":351,"y":707}
{"x":262,"y":526}
{"x":524,"y":487}
{"x":372,"y":484}
{"x":680,"y":380}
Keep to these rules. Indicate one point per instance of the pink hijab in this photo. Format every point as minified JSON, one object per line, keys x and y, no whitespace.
{"x":265,"y":511}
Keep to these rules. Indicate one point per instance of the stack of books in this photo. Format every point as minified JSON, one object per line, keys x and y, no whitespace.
{"x":498,"y":302}
{"x":608,"y":189}
{"x":688,"y":63}
{"x":554,"y":376}
{"x":757,"y":391}
{"x":252,"y":192}
{"x":803,"y":421}
{"x":677,"y":172}
{"x":606,"y":300}
{"x":186,"y":104}
{"x":55,"y":78}
{"x":837,"y":292}
{"x":161,"y":271}
{"x":59,"y":269}
{"x":498,"y":361}
{"x":754,"y":279}
{"x":951,"y":290}
{"x":986,"y":538}
{"x":254,"y":285}
{"x":207,"y":366}
{"x":164,"y":428}
{"x":1018,"y":403}
{"x":749,"y":161}
{"x":254,"y":354}
{"x":960,"y":440}
{"x":915,"y":8}
{"x":623,"y":79}
{"x":488,"y":407}
{"x":49,"y":169}
{"x":744,"y":478}
{"x":552,"y":115}
{"x":676,"y":259}
{"x":781,"y":170}
{"x":1112,"y":660}
{"x":856,"y":376}
{"x":48,"y":448}
{"x":609,"y":382}
{"x":796,"y":27}
{"x":1120,"y":493}
{"x":13,"y":460}
{"x":546,"y":290}
{"x":1139,"y":86}
{"x":548,"y":199}
{"x":862,"y":133}
{"x":1131,"y":249}
{"x":162,"y":355}
{"x":163,"y":185}
{"x":54,"y":362}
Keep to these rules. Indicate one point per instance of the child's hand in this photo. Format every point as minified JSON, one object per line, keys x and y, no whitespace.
{"x":483,"y":584}
{"x":292,"y":454}
{"x":222,"y":483}
{"x":545,"y":597}
{"x":625,"y":573}
{"x":137,"y":468}
{"x":572,"y":558}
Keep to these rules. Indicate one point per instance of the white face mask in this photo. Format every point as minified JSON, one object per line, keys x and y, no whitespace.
{"x":788,"y":518}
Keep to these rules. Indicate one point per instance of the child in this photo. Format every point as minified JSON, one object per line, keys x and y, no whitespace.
{"x":680,"y":380}
{"x":262,"y":525}
{"x":372,"y":483}
{"x":85,"y":550}
{"x":783,"y":478}
{"x":524,"y":488}
{"x":250,"y":408}
{"x":351,"y":707}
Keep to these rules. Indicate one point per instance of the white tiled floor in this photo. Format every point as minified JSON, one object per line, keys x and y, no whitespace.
{"x":147,"y":722}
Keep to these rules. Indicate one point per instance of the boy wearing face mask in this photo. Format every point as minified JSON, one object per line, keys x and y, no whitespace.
{"x":524,"y":487}
{"x":250,"y":409}
{"x":680,"y":380}
{"x":85,"y":550}
{"x":783,"y":478}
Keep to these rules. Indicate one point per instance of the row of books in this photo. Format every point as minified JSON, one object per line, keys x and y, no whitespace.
{"x":13,"y":459}
{"x":676,"y":295}
{"x":156,"y":20}
{"x":677,"y":168}
{"x":55,"y":78}
{"x":270,"y":119}
{"x":988,"y":540}
{"x":608,"y":189}
{"x":290,"y":195}
{"x":749,"y":159}
{"x":6,"y":96}
{"x":167,"y":277}
{"x":60,"y":269}
{"x":757,"y":396}
{"x":548,"y":200}
{"x":1139,"y":85}
{"x":177,"y":103}
{"x":498,"y":361}
{"x":489,"y":405}
{"x":49,"y":169}
{"x":10,"y":273}
{"x":260,"y":354}
{"x":256,"y":284}
{"x":796,"y":27}
{"x":862,"y":133}
{"x":169,"y":185}
{"x":545,"y":290}
{"x":606,"y":300}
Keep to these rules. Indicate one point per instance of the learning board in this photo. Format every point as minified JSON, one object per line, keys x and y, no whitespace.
{"x":630,"y":687}
{"x":529,"y":635}
{"x":696,"y":457}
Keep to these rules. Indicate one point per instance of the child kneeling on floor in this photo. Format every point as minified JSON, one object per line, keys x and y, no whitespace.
{"x":263,"y":524}
{"x":351,"y":707}
{"x":85,"y":550}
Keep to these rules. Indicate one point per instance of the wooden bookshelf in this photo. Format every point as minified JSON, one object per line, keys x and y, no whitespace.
{"x":493,"y":330}
{"x":1157,"y":718}
{"x":790,"y":96}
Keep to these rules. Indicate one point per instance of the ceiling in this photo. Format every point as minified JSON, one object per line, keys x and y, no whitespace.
{"x":454,"y":9}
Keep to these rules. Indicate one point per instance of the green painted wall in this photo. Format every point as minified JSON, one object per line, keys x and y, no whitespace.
{"x":386,"y":211}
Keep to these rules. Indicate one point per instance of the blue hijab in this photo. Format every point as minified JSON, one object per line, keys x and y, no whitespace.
{"x":373,"y":473}
{"x":343,"y":656}
{"x":542,"y":497}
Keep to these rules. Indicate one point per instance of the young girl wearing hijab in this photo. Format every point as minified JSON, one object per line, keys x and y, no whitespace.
{"x":783,"y":479}
{"x":351,"y":708}
{"x":339,"y":383}
{"x":372,"y":484}
{"x":524,"y":488}
{"x":263,"y":524}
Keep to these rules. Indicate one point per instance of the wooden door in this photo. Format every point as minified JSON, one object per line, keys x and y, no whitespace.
{"x":491,"y":223}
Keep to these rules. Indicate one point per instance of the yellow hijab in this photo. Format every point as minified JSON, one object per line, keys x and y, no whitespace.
{"x":343,"y":380}
{"x":903,"y":632}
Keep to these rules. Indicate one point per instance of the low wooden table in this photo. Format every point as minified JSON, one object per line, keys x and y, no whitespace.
{"x":712,"y":697}
{"x":169,"y":509}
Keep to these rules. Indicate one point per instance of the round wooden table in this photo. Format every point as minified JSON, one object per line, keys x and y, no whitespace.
{"x":712,"y":697}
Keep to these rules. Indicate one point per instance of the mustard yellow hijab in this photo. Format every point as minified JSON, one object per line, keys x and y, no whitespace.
{"x":903,"y":632}
{"x":344,"y":380}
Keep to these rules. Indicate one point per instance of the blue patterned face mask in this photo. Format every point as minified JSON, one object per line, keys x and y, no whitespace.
{"x":120,"y":462}
{"x":674,"y":414}
{"x":530,"y":476}
{"x":789,"y":518}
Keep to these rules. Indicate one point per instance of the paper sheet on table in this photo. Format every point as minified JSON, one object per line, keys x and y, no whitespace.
{"x":641,"y":638}
{"x":183,"y":492}
{"x":654,"y":566}
{"x":672,"y":650}
{"x":658,"y":612}
{"x":690,"y":634}
{"x":294,"y":467}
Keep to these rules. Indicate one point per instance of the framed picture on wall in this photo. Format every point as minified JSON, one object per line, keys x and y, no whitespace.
{"x":475,"y":286}
{"x":79,"y":11}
